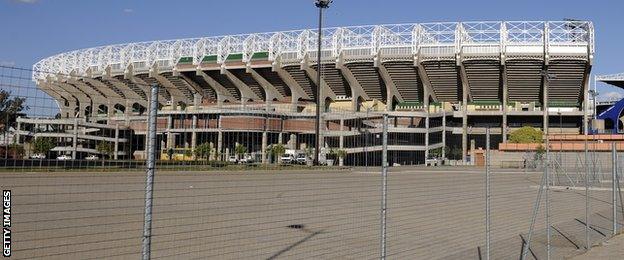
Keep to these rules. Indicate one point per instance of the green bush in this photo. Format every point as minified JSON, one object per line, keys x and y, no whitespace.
{"x":526,"y":135}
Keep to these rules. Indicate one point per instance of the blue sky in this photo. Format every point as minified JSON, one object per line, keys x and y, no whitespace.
{"x":34,"y":29}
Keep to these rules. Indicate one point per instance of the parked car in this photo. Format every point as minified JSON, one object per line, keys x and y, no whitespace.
{"x":232,"y":159}
{"x":246,"y":159}
{"x":302,"y":158}
{"x":92,"y":157}
{"x":64,"y":157}
{"x":287,"y":158}
{"x":38,"y":156}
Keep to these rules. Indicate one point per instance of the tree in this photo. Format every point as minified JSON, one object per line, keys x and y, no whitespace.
{"x":526,"y":135}
{"x":43,"y":145}
{"x":277,"y":150}
{"x":10,"y":108}
{"x":105,"y":148}
{"x":16,"y":150}
{"x":341,"y":153}
{"x":240,"y":150}
{"x":203,"y":151}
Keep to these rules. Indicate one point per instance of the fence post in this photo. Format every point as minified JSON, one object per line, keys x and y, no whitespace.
{"x":151,"y":161}
{"x":614,"y":182}
{"x":586,"y":194}
{"x":547,"y":196}
{"x":384,"y":184}
{"x":487,"y":193}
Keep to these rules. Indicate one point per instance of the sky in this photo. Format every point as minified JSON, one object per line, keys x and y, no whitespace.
{"x":34,"y":29}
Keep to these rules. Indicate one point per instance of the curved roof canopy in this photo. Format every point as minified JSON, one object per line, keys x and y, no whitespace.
{"x":613,"y":79}
{"x":450,"y":38}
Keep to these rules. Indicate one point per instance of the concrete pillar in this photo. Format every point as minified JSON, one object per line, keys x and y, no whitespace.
{"x":219,"y":142}
{"x":194,"y":133}
{"x":427,"y":136}
{"x":75,"y":139}
{"x":116,"y":147}
{"x":464,"y":119}
{"x":472,"y":152}
{"x":280,"y":138}
{"x":170,"y":138}
{"x":505,"y":109}
{"x":292,"y":143}
{"x":341,"y":142}
{"x":545,"y":102}
{"x":444,"y":135}
{"x":17,"y":133}
{"x":264,"y":147}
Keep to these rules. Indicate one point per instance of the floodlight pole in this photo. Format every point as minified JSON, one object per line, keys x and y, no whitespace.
{"x":321,"y":4}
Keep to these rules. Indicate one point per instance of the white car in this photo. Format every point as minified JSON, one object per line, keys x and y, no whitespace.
{"x":287,"y":158}
{"x":92,"y":157}
{"x":38,"y":156}
{"x":64,"y":157}
{"x":232,"y":159}
{"x":302,"y":158}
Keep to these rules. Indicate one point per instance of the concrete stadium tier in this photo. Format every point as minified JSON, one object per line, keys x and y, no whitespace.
{"x":468,"y":75}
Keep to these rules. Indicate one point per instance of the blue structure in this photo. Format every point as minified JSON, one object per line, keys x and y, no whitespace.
{"x":611,"y":116}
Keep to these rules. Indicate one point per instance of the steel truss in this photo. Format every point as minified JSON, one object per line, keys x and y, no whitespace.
{"x":425,"y":40}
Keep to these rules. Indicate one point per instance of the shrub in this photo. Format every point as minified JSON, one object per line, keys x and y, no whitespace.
{"x":526,"y":135}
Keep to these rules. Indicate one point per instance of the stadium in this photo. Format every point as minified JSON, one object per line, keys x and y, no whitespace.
{"x":440,"y":84}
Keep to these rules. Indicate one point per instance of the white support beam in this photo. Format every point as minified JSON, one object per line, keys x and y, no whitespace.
{"x":357,"y":90}
{"x":391,"y":88}
{"x":246,"y":92}
{"x":270,"y":90}
{"x":222,"y":93}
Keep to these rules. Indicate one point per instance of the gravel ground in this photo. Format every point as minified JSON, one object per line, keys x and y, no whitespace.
{"x":433,"y":213}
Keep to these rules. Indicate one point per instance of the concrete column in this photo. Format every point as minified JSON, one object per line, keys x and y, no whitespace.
{"x":75,"y":139}
{"x":116,"y":148}
{"x":194,"y":133}
{"x":472,"y":152}
{"x":464,"y":131}
{"x":444,"y":135}
{"x":111,"y":110}
{"x":427,"y":136}
{"x":465,"y":90}
{"x":17,"y":133}
{"x":341,"y":142}
{"x":170,"y":138}
{"x":293,"y":141}
{"x":545,"y":102}
{"x":219,"y":141}
{"x":280,"y":138}
{"x":265,"y":141}
{"x":505,"y":97}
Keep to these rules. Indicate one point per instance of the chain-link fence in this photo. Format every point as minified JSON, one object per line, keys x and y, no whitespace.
{"x":234,"y":180}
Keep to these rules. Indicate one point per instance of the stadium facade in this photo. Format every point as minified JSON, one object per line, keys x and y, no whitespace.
{"x":441,"y":85}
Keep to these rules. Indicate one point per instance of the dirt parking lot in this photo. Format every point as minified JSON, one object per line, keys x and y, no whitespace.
{"x":433,"y":213}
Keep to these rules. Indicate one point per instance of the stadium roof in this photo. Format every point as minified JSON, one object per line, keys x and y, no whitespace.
{"x":613,"y":79}
{"x":449,"y":38}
